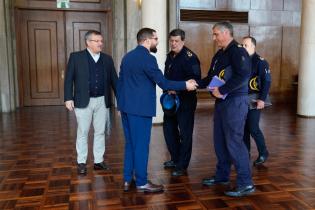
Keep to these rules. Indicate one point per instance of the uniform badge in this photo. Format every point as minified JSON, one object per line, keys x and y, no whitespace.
{"x":189,"y":54}
{"x":267,"y":71}
{"x":261,"y":58}
{"x":239,"y":45}
{"x":253,"y":84}
{"x":221,"y":74}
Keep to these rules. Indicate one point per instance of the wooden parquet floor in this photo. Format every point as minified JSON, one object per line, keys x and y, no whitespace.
{"x":38,"y":166}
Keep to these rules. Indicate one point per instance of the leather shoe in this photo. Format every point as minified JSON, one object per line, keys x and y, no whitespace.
{"x":241,"y":191}
{"x":212,"y":181}
{"x":261,"y":159}
{"x":150,"y":187}
{"x":178,"y":172}
{"x":100,"y":166}
{"x":128,"y":185}
{"x":169,"y":164}
{"x":81,"y":168}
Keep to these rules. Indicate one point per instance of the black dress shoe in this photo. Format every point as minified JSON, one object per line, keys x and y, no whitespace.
{"x":261,"y":159}
{"x":81,"y":168}
{"x":212,"y":181}
{"x":241,"y":191}
{"x":169,"y":164}
{"x":128,"y":185}
{"x":179,"y":172}
{"x":150,"y":187}
{"x":100,"y":166}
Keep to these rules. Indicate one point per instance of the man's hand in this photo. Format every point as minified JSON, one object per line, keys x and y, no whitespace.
{"x":260,"y":104}
{"x":216,"y":92}
{"x":69,"y":105}
{"x":191,"y":85}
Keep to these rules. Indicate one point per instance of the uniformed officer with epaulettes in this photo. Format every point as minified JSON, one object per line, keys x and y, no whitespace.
{"x":230,"y":113}
{"x":181,"y":64}
{"x":259,"y":85}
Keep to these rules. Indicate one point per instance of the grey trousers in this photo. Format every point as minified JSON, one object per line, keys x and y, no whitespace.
{"x":97,"y":112}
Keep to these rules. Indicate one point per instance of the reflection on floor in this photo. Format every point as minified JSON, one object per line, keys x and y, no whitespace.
{"x":38,"y":169}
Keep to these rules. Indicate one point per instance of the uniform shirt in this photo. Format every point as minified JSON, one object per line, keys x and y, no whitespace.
{"x":260,"y":79}
{"x":182,"y":67}
{"x":237,"y":58}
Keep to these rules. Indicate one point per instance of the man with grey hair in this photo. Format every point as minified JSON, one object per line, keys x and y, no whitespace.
{"x":87,"y":90}
{"x":232,"y":64}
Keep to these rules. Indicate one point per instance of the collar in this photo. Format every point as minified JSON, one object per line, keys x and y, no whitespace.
{"x":140,"y":47}
{"x":233,"y":42}
{"x":94,"y":56}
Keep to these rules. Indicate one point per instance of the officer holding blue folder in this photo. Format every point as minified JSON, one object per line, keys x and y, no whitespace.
{"x":230,"y":113}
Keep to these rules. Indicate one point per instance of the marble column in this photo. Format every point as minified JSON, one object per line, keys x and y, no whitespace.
{"x":154,"y":16}
{"x":8,"y":80}
{"x":306,"y":84}
{"x":172,"y":15}
{"x":133,"y":22}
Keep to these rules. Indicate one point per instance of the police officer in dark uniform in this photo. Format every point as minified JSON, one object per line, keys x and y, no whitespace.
{"x":259,"y":85}
{"x":230,"y":113}
{"x":181,"y":64}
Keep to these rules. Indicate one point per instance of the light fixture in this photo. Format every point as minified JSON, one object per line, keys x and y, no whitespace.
{"x":139,"y":3}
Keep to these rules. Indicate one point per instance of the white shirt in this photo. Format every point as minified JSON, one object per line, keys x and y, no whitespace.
{"x":94,"y":56}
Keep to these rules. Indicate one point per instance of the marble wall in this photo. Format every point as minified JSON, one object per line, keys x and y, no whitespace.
{"x":8,"y":76}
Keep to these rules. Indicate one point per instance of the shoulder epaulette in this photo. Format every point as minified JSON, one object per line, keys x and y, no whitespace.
{"x":189,"y":54}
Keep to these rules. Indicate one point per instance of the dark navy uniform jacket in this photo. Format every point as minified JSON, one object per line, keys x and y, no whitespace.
{"x":260,"y":79}
{"x":236,"y":59}
{"x":184,"y":66}
{"x":136,"y":88}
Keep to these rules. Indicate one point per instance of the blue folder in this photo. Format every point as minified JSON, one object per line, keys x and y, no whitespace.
{"x":216,"y":82}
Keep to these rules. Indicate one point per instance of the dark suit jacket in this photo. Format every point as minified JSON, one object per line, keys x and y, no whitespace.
{"x":138,"y":76}
{"x":76,"y":85}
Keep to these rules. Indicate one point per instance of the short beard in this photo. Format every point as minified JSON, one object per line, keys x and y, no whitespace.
{"x":153,"y":49}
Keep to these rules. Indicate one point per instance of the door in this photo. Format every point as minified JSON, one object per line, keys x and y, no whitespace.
{"x":42,"y":57}
{"x":78,"y":23}
{"x":45,"y":40}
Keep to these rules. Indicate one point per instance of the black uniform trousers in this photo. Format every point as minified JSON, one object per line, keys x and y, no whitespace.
{"x":229,"y":121}
{"x":252,"y":129}
{"x":178,"y":131}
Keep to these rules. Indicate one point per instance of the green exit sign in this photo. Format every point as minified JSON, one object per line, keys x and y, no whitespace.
{"x":63,"y":4}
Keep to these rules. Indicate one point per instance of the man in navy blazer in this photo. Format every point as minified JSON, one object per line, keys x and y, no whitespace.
{"x":136,"y":96}
{"x":87,"y":90}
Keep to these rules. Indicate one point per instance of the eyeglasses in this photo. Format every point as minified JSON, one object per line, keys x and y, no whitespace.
{"x":97,"y":41}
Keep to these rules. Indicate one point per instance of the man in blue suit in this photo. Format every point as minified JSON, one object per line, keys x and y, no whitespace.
{"x":136,"y":96}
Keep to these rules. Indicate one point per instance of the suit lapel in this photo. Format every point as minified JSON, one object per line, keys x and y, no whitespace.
{"x":85,"y":63}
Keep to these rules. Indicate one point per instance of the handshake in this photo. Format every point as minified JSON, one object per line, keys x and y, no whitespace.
{"x":191,"y":85}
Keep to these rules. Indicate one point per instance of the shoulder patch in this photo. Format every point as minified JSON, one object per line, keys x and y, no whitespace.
{"x":189,"y":54}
